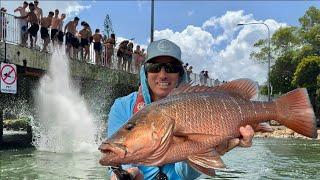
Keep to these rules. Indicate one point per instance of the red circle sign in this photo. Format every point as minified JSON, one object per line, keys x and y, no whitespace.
{"x":8,"y":74}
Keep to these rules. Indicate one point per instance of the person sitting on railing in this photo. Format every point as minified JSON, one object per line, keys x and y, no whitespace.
{"x":54,"y":26}
{"x":60,"y":33}
{"x":45,"y":24}
{"x":23,"y":23}
{"x":70,"y":30}
{"x":97,"y":38}
{"x":85,"y":35}
{"x":3,"y":23}
{"x":33,"y":20}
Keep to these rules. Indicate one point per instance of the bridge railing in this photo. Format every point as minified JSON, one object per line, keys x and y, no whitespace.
{"x":11,"y":32}
{"x":9,"y":28}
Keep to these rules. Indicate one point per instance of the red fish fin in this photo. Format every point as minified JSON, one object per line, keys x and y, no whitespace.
{"x":262,"y":127}
{"x":245,"y":88}
{"x":201,"y":169}
{"x":295,"y":112}
{"x":206,"y":162}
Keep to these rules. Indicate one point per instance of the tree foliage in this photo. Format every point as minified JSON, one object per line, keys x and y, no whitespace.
{"x":296,"y":56}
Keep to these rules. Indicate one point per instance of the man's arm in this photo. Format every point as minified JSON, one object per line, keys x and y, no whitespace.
{"x":66,"y":26}
{"x":22,"y":17}
{"x":17,"y":9}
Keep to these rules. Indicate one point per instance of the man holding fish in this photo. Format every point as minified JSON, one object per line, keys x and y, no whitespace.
{"x":160,"y":74}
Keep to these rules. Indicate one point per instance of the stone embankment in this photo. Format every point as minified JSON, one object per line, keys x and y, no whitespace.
{"x":283,"y":132}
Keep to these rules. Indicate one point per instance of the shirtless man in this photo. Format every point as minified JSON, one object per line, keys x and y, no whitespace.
{"x":97,"y":38}
{"x":55,"y":25}
{"x":60,"y":33}
{"x":33,"y":20}
{"x":38,"y":12}
{"x":85,"y":35}
{"x":70,"y":30}
{"x":45,"y":24}
{"x":23,"y":23}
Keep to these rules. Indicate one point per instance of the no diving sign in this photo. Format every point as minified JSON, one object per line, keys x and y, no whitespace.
{"x":8,"y":77}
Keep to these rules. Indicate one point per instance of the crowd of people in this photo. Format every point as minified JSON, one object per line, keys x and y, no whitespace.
{"x":52,"y":30}
{"x":77,"y":43}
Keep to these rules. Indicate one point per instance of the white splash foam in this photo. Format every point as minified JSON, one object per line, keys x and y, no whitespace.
{"x":64,"y":123}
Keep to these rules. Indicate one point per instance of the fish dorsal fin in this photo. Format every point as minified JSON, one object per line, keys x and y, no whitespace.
{"x":245,"y":88}
{"x":206,"y":162}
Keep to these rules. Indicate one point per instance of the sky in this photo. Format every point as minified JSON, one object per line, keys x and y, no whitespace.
{"x":206,"y":31}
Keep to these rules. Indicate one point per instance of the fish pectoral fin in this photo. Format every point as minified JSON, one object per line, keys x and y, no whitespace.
{"x":207,"y":162}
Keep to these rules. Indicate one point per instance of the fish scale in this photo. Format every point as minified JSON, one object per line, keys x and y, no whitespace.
{"x":192,"y":121}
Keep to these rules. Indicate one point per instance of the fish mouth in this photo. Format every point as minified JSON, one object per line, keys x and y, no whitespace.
{"x":112,"y":151}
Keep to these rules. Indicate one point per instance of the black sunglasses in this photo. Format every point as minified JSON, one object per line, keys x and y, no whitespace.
{"x":168,"y":67}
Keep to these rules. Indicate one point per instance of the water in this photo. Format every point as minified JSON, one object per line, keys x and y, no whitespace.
{"x":64,"y":123}
{"x":266,"y":159}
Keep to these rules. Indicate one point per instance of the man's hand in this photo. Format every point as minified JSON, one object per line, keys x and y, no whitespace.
{"x":134,"y":171}
{"x":246,"y":140}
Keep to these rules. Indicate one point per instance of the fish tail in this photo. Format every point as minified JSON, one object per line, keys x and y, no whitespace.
{"x":295,"y":111}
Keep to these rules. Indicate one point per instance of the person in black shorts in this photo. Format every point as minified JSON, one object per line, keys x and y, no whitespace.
{"x":60,"y":33}
{"x":97,"y":38}
{"x":85,"y":35}
{"x":54,"y":26}
{"x":33,"y":20}
{"x":71,"y":41}
{"x":45,"y":24}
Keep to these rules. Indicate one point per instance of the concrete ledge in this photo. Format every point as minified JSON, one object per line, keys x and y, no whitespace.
{"x":17,"y":54}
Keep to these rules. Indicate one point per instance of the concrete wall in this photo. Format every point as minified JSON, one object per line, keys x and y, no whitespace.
{"x":99,"y":85}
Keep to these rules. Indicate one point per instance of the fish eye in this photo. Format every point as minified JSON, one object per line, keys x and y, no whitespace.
{"x":129,"y":126}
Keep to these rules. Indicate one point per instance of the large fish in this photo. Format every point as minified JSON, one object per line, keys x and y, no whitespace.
{"x":189,"y":123}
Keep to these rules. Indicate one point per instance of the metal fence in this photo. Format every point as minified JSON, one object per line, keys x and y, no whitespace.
{"x":11,"y":32}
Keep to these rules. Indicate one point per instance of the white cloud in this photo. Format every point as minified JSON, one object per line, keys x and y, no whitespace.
{"x":226,"y":23}
{"x":74,"y":8}
{"x":190,"y":13}
{"x":231,"y":62}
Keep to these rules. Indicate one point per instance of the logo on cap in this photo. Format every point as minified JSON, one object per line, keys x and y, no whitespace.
{"x":164,"y":46}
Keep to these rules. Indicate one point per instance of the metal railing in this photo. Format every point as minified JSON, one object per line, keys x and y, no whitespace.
{"x":10,"y":28}
{"x":11,"y":32}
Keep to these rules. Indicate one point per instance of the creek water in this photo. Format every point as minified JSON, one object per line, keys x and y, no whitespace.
{"x":266,"y":159}
{"x":66,"y":139}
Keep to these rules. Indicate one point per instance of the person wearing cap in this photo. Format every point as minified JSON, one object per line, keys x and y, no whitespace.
{"x":161,"y":72}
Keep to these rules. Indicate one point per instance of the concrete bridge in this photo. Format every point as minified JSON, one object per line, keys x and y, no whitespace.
{"x":97,"y":84}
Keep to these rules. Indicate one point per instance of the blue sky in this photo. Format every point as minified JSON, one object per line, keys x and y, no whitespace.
{"x":132,"y":18}
{"x":206,"y":31}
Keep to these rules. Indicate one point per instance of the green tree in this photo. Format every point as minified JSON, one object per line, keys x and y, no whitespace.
{"x":282,"y":72}
{"x":307,"y":75}
{"x":296,"y":53}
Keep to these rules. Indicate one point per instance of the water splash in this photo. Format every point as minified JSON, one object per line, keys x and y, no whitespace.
{"x":64,"y":123}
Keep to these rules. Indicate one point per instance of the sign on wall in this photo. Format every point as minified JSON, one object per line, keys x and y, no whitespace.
{"x":8,"y":78}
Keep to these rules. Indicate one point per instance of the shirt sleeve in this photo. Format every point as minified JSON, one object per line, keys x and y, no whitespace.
{"x":120,"y":113}
{"x":185,"y":171}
